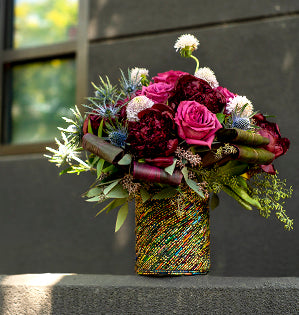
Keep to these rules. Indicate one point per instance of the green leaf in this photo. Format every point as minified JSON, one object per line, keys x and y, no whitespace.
{"x":100,"y":166}
{"x":109,"y":168}
{"x":93,"y":199}
{"x":111,"y":186}
{"x":145,"y":196}
{"x":170,"y":169}
{"x":100,"y":130}
{"x":191,"y":183}
{"x":117,"y":203}
{"x":244,"y":195}
{"x":117,"y":192}
{"x":220,"y":117}
{"x":96,"y":191}
{"x":89,"y":127}
{"x":231,"y":193}
{"x":214,"y":203}
{"x":125,"y":160}
{"x":112,"y":205}
{"x":121,"y":216}
{"x":165,"y":193}
{"x":234,"y":168}
{"x":66,"y":170}
{"x":242,"y":182}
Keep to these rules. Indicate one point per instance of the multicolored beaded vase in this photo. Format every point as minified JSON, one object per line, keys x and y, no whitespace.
{"x":172,"y":237}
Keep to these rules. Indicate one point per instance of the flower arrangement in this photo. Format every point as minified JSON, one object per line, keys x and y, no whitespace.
{"x":152,"y":138}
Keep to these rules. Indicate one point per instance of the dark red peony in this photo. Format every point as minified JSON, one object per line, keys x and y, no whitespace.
{"x":190,"y":88}
{"x":154,"y":134}
{"x":225,"y":92}
{"x":277,"y":145}
{"x":95,"y":121}
{"x":169,"y":77}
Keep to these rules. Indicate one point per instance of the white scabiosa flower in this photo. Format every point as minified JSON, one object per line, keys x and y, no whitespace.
{"x":208,"y":75}
{"x":237,"y":106}
{"x":136,"y":105}
{"x":186,"y":41}
{"x":137,"y":74}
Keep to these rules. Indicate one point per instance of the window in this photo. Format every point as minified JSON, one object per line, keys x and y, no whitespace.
{"x":39,"y":58}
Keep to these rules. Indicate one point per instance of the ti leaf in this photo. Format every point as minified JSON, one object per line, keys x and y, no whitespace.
{"x":234,"y":168}
{"x":121,"y":216}
{"x":165,"y":193}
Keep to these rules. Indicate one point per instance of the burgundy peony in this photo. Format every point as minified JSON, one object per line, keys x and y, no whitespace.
{"x":190,"y":88}
{"x":158,"y":92}
{"x":169,"y":77}
{"x":277,"y":145}
{"x":225,"y":92}
{"x":196,"y":124}
{"x":153,"y":135}
{"x":95,"y":121}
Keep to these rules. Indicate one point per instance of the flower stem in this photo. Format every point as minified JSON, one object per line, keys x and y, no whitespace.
{"x":197,"y":62}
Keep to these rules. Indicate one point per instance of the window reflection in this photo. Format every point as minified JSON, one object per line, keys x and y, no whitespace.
{"x":39,"y":22}
{"x":42,"y":93}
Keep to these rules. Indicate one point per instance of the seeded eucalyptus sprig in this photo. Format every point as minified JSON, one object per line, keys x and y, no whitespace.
{"x":271,"y":191}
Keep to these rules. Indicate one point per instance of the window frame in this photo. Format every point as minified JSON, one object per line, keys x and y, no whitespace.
{"x":77,"y":49}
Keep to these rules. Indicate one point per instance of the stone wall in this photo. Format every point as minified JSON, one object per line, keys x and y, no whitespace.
{"x":253,"y":47}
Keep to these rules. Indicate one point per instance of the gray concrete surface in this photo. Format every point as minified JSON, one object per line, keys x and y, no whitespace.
{"x":45,"y":226}
{"x":106,"y":294}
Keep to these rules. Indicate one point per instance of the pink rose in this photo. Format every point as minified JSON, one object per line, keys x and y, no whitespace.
{"x":157,"y":92}
{"x":226,"y":93}
{"x":196,"y":124}
{"x":169,"y":77}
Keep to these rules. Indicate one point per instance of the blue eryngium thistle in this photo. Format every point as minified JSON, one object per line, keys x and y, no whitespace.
{"x":105,"y":101}
{"x":105,"y":92}
{"x":128,"y":85}
{"x":118,"y":138}
{"x":241,"y":123}
{"x":117,"y":133}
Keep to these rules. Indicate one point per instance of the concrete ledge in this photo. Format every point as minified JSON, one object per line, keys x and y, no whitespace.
{"x":110,"y":294}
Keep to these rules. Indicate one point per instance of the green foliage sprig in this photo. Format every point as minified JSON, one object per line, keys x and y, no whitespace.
{"x":271,"y":191}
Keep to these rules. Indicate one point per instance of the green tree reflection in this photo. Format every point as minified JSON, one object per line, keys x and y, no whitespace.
{"x":42,"y":93}
{"x":38,"y":22}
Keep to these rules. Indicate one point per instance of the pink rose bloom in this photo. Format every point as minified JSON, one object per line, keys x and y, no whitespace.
{"x":169,"y":77}
{"x":157,"y":92}
{"x":226,"y":93}
{"x":196,"y":124}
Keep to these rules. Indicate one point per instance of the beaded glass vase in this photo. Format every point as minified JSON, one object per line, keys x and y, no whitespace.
{"x":172,"y":236}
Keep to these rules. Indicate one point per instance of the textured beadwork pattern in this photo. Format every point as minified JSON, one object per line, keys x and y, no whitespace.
{"x":172,"y":242}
